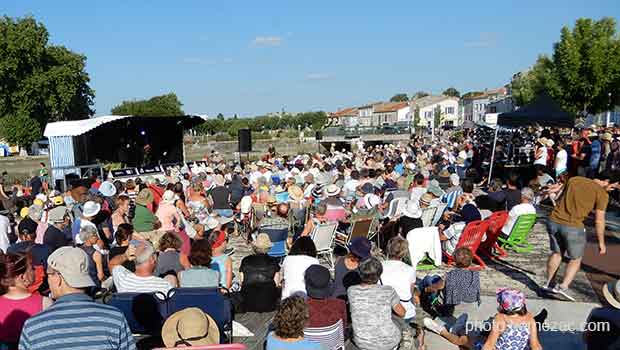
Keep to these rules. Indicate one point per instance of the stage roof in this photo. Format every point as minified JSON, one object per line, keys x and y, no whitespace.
{"x":544,"y":111}
{"x":80,"y":127}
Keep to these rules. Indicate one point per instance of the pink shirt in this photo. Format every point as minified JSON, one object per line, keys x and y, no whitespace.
{"x":167,"y":215}
{"x":14,"y":313}
{"x":41,"y":228}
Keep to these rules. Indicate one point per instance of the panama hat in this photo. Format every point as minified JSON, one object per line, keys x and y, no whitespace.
{"x":606,"y":137}
{"x":190,"y":327}
{"x":332,"y":190}
{"x":91,"y":209}
{"x":246,"y":204}
{"x":107,"y":189}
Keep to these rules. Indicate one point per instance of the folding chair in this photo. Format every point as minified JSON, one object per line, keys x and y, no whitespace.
{"x":210,"y":301}
{"x":471,"y":238}
{"x":428,"y":214}
{"x":517,"y":240}
{"x":439,"y":213}
{"x":489,"y":246}
{"x":395,"y":208}
{"x":278,"y":237}
{"x":145,"y":312}
{"x":323,"y":236}
{"x":359,"y":228}
{"x":209,"y":347}
{"x":330,"y":337}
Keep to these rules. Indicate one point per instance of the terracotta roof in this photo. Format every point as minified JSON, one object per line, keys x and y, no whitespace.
{"x":390,"y":107}
{"x":499,"y":91}
{"x":345,"y":112}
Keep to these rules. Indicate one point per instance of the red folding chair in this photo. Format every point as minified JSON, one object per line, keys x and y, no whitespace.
{"x":489,"y":247}
{"x":471,"y":238}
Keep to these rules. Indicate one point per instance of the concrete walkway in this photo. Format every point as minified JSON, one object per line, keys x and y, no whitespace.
{"x":562,"y":317}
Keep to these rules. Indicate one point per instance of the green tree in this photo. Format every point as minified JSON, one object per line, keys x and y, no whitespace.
{"x":399,"y":98}
{"x":527,"y":85}
{"x":438,"y":117}
{"x":472,"y":94}
{"x":159,"y":106}
{"x":452,"y":92}
{"x":20,"y":129}
{"x":39,"y":80}
{"x":416,"y":117}
{"x":420,"y":94}
{"x":220,"y":116}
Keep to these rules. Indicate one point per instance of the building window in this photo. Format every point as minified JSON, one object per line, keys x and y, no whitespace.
{"x":492,"y":109}
{"x":449,"y":110}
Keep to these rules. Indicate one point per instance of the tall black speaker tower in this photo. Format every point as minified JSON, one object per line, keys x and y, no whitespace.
{"x":245,"y":140}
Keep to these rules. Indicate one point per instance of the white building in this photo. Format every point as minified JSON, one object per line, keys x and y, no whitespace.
{"x":391,"y":113}
{"x":429,"y":105}
{"x":474,"y":107}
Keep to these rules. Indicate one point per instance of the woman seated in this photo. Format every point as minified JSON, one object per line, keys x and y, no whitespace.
{"x":513,"y":327}
{"x":324,"y":309}
{"x":259,"y":275}
{"x":400,"y":276}
{"x":201,"y":273}
{"x":219,"y":240}
{"x":124,"y":234}
{"x":346,"y":268}
{"x":289,"y":323}
{"x":371,"y":308}
{"x":17,"y":304}
{"x":169,"y":258}
{"x":300,"y":257}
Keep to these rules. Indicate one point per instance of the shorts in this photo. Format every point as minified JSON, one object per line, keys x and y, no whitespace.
{"x":566,"y":239}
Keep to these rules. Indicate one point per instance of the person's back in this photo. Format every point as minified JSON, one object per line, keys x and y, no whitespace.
{"x":55,"y":328}
{"x":516,"y":333}
{"x":14,"y":313}
{"x":581,"y":196}
{"x":199,"y":276}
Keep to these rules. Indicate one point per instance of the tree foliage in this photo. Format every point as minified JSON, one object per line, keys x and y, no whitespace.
{"x":38,"y":80}
{"x":20,"y":129}
{"x":159,"y":106}
{"x":438,"y":117}
{"x":452,"y":92}
{"x":313,"y":120}
{"x":419,"y":94}
{"x":582,"y":72}
{"x":402,"y":97}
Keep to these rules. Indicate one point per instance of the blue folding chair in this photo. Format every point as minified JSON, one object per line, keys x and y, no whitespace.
{"x":278,"y":237}
{"x":145,"y":312}
{"x":210,"y":301}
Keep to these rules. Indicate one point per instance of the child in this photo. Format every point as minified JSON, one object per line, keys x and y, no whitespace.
{"x":219,"y":241}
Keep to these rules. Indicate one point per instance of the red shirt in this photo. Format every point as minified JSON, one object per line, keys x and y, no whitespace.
{"x":326,"y":312}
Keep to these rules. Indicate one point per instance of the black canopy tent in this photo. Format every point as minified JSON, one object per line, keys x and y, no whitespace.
{"x":544,"y":111}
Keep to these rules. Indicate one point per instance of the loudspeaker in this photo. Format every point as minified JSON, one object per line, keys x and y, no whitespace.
{"x":245,"y":140}
{"x":318,"y":135}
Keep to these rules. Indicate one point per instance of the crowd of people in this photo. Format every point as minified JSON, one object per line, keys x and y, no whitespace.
{"x":62,"y":251}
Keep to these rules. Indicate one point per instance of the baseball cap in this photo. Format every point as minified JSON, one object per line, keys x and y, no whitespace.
{"x":72,"y":264}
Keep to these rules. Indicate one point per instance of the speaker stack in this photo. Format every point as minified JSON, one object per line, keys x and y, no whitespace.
{"x":245,"y":141}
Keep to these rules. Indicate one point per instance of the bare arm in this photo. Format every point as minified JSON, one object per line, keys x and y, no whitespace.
{"x":498,"y":325}
{"x":599,"y":223}
{"x":99,"y":264}
{"x":130,"y":254}
{"x":229,"y":272}
{"x":399,"y":310}
{"x":534,"y":342}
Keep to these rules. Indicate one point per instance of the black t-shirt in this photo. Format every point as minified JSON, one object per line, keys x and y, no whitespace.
{"x":259,"y":290}
{"x":39,"y":252}
{"x":513,"y":197}
{"x":129,"y":265}
{"x":54,"y":238}
{"x":35,"y":185}
{"x":258,"y":268}
{"x":220,"y":196}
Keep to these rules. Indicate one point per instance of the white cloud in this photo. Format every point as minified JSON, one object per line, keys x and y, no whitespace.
{"x":485,"y":40}
{"x":266,"y":41}
{"x":317,"y":76}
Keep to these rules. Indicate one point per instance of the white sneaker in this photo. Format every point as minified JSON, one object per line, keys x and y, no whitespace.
{"x":563,"y":292}
{"x":433,"y":326}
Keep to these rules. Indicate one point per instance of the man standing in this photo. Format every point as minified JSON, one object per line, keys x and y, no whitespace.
{"x":58,"y":326}
{"x":567,"y":234}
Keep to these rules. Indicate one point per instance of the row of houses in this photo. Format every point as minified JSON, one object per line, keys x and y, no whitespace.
{"x":424,"y":111}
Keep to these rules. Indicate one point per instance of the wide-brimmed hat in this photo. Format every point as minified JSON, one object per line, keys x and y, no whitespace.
{"x":371,"y":200}
{"x":606,"y":137}
{"x":190,"y":327}
{"x":295,"y":193}
{"x":72,"y":264}
{"x":426,"y":198}
{"x":318,"y":282}
{"x":412,"y":209}
{"x":107,"y":189}
{"x":57,"y":215}
{"x":332,"y":190}
{"x":611,"y":292}
{"x":168,"y":196}
{"x":433,"y":187}
{"x":262,"y":241}
{"x":219,"y":180}
{"x":360,"y":247}
{"x":91,"y":209}
{"x":542,"y":140}
{"x":145,"y":197}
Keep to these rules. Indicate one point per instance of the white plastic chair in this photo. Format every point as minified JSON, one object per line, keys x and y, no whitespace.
{"x":428,"y":214}
{"x":440,"y":209}
{"x":323,"y":236}
{"x":396,"y":207}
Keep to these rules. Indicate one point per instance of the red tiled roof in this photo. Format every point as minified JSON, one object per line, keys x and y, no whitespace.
{"x":345,"y":112}
{"x":390,"y":107}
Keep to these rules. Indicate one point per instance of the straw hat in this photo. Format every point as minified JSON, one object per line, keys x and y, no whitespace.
{"x":332,"y":190}
{"x":542,"y":140}
{"x":295,"y":193}
{"x":550,"y":143}
{"x":168,"y":197}
{"x":190,"y":327}
{"x":145,"y":197}
{"x":606,"y":137}
{"x":262,"y":241}
{"x":426,"y":198}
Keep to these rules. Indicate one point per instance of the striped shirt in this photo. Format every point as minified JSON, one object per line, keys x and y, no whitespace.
{"x":75,"y":321}
{"x":451,"y":197}
{"x":128,"y":282}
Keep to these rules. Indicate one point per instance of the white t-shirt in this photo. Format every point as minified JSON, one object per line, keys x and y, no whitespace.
{"x":5,"y":229}
{"x":350,"y":187}
{"x":542,"y":160}
{"x":293,"y":270}
{"x":416,"y":193}
{"x":561,"y":162}
{"x":128,"y":282}
{"x":400,"y":276}
{"x":514,"y":213}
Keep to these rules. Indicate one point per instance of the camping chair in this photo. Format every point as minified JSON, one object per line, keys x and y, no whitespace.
{"x":517,"y":240}
{"x":489,"y":246}
{"x":278,"y":237}
{"x":428,"y":214}
{"x":145,"y":312}
{"x":439,"y":213}
{"x":209,"y":347}
{"x":396,"y":207}
{"x":330,"y":337}
{"x":425,"y":264}
{"x":359,"y":228}
{"x":471,"y":238}
{"x":323,"y":237}
{"x":210,"y":301}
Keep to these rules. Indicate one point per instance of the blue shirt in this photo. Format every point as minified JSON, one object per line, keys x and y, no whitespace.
{"x":75,"y":321}
{"x":274,"y":343}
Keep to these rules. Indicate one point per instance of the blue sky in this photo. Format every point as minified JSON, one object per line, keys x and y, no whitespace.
{"x":253,"y":57}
